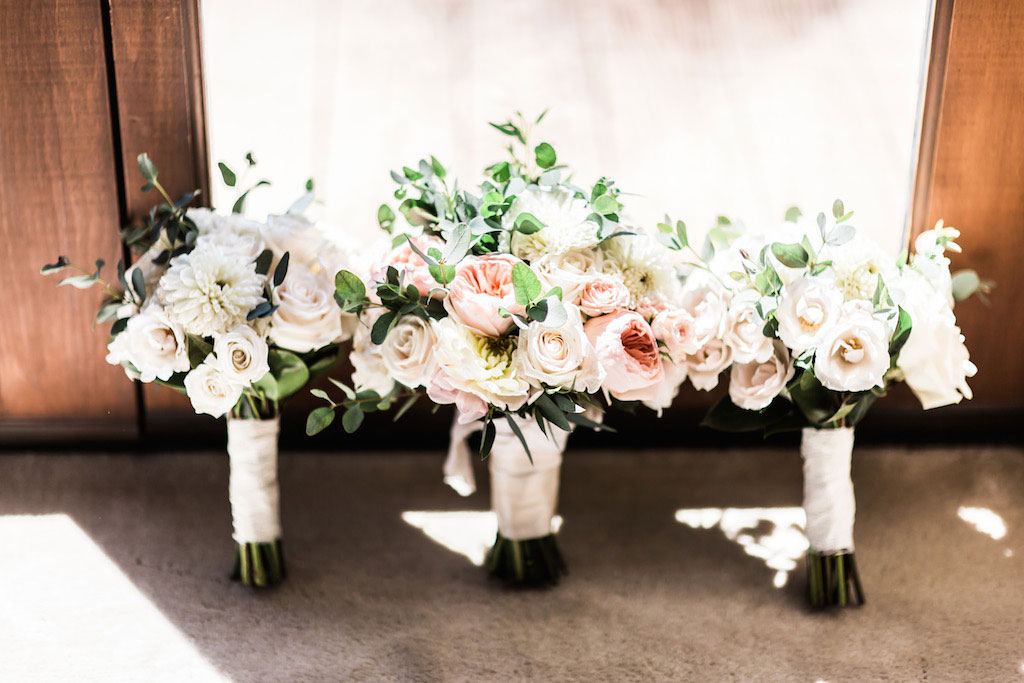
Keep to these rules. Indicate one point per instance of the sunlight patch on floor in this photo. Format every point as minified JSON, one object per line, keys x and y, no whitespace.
{"x":468,"y":533}
{"x":69,"y":612}
{"x":984,"y":520}
{"x":773,"y":535}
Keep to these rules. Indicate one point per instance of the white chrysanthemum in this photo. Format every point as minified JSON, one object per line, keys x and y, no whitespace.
{"x":480,"y":365}
{"x":564,"y":217}
{"x":856,"y":266}
{"x":210,"y":290}
{"x":644,"y":267}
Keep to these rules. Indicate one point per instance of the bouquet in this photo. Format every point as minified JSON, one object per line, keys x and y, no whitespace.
{"x":815,"y":323}
{"x":238,"y":315}
{"x":528,"y":304}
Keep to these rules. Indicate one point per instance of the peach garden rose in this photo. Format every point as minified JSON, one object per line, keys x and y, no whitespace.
{"x":628,"y":352}
{"x":482,"y":286}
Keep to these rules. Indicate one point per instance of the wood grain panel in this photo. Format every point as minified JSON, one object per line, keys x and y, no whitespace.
{"x":977,"y":181}
{"x":58,"y":195}
{"x":160,"y":102}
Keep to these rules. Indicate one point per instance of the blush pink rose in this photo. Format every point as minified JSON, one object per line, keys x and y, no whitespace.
{"x":482,"y":286}
{"x":649,"y":307}
{"x":603,"y":294}
{"x":627,"y":350}
{"x":416,"y":270}
{"x":677,"y":330}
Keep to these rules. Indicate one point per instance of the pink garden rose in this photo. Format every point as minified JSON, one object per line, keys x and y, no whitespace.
{"x":482,"y":286}
{"x":677,"y":330}
{"x":629,"y":354}
{"x":416,"y":270}
{"x":603,"y":294}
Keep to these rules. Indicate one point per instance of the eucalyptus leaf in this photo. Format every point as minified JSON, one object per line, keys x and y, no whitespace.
{"x":319,"y":419}
{"x":352,"y":418}
{"x":791,"y":255}
{"x":527,"y":286}
{"x":227,"y":174}
{"x":146,"y":167}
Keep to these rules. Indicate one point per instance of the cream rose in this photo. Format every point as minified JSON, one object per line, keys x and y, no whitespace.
{"x":482,"y":286}
{"x":153,"y":344}
{"x":297,"y":235}
{"x":236,"y":234}
{"x":744,"y":330}
{"x":677,"y":330}
{"x":307,"y":317}
{"x":369,"y":371}
{"x":706,"y":302}
{"x":854,"y":353}
{"x":934,"y":360}
{"x":603,"y":294}
{"x":661,"y":395}
{"x":211,"y":391}
{"x":570,"y":270}
{"x":408,"y":351}
{"x":561,"y":357}
{"x":241,"y":355}
{"x":807,"y":310}
{"x":704,"y":367}
{"x":754,"y":385}
{"x":628,"y":352}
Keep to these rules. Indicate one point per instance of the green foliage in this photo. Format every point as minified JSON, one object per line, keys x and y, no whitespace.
{"x":545,"y":155}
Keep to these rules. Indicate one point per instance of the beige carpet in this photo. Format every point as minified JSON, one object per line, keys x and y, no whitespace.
{"x":674,"y":557}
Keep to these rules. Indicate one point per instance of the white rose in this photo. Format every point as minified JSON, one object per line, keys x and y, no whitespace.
{"x":408,"y":351}
{"x":211,"y":391}
{"x":854,"y":353}
{"x":744,"y":330}
{"x":307,"y":317}
{"x":934,"y":360}
{"x":661,"y":395}
{"x":241,"y":354}
{"x":807,"y":310}
{"x":706,"y":301}
{"x":569,"y":270}
{"x":152,"y":344}
{"x":298,"y":236}
{"x":704,"y":366}
{"x":369,"y":373}
{"x":236,"y":234}
{"x":603,"y":294}
{"x":753,"y":386}
{"x":677,"y":330}
{"x":561,"y":356}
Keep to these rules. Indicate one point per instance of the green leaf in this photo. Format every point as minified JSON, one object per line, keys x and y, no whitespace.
{"x":385,"y":217}
{"x":900,"y":335}
{"x":528,"y":224}
{"x":268,"y":385}
{"x":146,"y":167}
{"x":289,"y":370}
{"x":841,"y":234}
{"x":442,"y":274}
{"x":606,"y":204}
{"x":459,"y":242}
{"x":486,"y":438}
{"x":526,"y":284}
{"x":552,"y":413}
{"x":838,"y":211}
{"x":793,"y":214}
{"x":581,"y":420}
{"x":320,"y":393}
{"x":404,"y":408}
{"x":198,"y":350}
{"x":348,"y":286}
{"x":815,"y":401}
{"x":519,"y":434}
{"x":227,"y":174}
{"x":546,"y":156}
{"x":436,"y":166}
{"x":139,"y":284}
{"x":382,"y":326}
{"x":263,"y":262}
{"x":62,"y":262}
{"x":681,"y":234}
{"x":726,"y":416}
{"x":78,"y":281}
{"x":282,"y":270}
{"x":352,"y":418}
{"x":556,"y":314}
{"x":319,"y":419}
{"x":965,"y":283}
{"x":792,"y":255}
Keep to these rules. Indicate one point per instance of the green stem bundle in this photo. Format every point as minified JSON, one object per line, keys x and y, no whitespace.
{"x":832,"y":580}
{"x":532,"y":562}
{"x":259,"y":564}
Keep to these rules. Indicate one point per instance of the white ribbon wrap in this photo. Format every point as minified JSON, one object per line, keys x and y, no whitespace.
{"x":524,"y":495}
{"x":458,"y":466}
{"x":255,"y":496}
{"x":828,"y":489}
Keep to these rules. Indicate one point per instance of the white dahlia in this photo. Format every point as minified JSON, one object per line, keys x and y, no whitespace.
{"x":644,"y":267}
{"x":857,"y":265}
{"x":210,"y":290}
{"x":564,"y":217}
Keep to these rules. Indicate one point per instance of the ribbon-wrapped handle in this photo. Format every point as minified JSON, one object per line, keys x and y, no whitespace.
{"x":828,"y":490}
{"x":253,"y":488}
